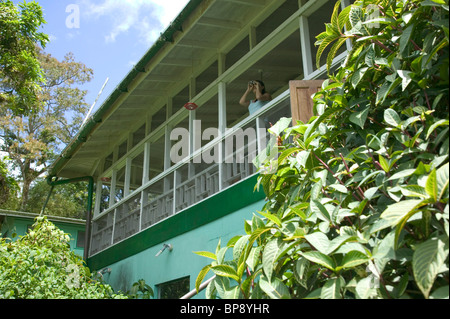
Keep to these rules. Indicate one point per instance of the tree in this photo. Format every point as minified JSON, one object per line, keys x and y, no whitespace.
{"x":8,"y":185}
{"x":32,"y":140}
{"x":358,"y":206}
{"x":67,"y":200}
{"x":40,"y":265}
{"x":20,"y":73}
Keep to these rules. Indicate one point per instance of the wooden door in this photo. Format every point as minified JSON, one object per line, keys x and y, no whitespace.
{"x":301,"y":101}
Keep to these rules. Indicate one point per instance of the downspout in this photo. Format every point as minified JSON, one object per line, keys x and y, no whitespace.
{"x":90,"y":179}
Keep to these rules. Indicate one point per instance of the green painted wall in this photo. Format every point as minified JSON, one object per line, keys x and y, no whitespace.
{"x":181,"y":261}
{"x":20,"y":225}
{"x":198,"y":228}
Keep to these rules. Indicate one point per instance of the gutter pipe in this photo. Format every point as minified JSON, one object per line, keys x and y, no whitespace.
{"x":90,"y":180}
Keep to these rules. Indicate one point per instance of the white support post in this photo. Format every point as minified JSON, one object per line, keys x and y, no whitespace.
{"x":167,"y":146}
{"x":112,"y":191}
{"x":222,"y":127}
{"x":308,"y":66}
{"x":126,"y":190}
{"x":146,"y":165}
{"x":98,"y":197}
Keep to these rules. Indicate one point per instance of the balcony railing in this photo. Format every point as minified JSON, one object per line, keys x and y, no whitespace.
{"x":190,"y":181}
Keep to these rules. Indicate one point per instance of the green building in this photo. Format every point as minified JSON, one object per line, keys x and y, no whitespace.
{"x":14,"y":224}
{"x":159,"y":198}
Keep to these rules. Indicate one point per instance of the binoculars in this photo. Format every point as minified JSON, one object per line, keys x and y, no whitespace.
{"x":252,"y":83}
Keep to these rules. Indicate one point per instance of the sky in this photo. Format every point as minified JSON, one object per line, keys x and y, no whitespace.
{"x":108,"y":36}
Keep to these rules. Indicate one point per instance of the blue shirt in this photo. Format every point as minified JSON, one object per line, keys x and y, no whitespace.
{"x":256,"y":105}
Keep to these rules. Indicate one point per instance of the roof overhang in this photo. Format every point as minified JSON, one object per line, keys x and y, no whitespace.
{"x":186,"y":49}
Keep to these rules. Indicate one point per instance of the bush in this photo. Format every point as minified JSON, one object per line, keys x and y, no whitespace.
{"x":358,"y":205}
{"x":40,"y":265}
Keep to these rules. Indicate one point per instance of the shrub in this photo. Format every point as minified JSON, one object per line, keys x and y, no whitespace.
{"x":40,"y":265}
{"x":358,"y":206}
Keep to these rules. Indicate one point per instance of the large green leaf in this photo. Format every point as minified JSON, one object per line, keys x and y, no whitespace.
{"x":442,"y":176}
{"x":301,"y":271}
{"x":274,"y":288}
{"x":321,"y":259}
{"x":391,"y":117}
{"x":353,"y":259}
{"x":359,"y":118}
{"x":270,"y":255}
{"x":239,"y":247}
{"x":206,"y":254}
{"x":332,"y":288}
{"x":319,"y":241}
{"x":431,"y":185}
{"x":225,"y":271}
{"x":272,"y":217}
{"x":201,"y":276}
{"x":396,"y":212}
{"x":428,"y":259}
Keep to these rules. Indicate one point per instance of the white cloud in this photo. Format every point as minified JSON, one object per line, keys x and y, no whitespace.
{"x":148,"y":18}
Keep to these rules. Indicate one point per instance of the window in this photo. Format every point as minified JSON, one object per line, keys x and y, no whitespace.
{"x":174,"y":289}
{"x":80,"y":239}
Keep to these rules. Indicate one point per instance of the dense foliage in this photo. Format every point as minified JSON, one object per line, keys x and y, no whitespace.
{"x":32,"y":140}
{"x":20,"y":72}
{"x":40,"y":265}
{"x":358,"y":205}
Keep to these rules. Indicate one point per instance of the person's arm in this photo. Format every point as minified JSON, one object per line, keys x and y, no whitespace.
{"x":243,"y":101}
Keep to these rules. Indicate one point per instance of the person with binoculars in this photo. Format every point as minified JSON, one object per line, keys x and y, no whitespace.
{"x":261,"y":96}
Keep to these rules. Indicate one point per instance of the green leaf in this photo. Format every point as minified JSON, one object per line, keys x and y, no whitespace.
{"x":332,"y":288}
{"x":357,"y":76}
{"x":343,"y":17}
{"x":275,"y":288}
{"x":270,"y":255}
{"x":396,"y":212}
{"x":442,"y":180}
{"x":431,"y":185}
{"x":280,"y":126}
{"x":427,"y":261}
{"x":353,"y":259}
{"x":321,"y":211}
{"x":402,"y":174}
{"x":319,"y":258}
{"x":384,"y":163}
{"x":333,"y":51}
{"x":225,"y":271}
{"x":301,"y":271}
{"x":222,"y":285}
{"x":206,"y":254}
{"x":253,"y":257}
{"x":435,"y":125}
{"x":239,"y":247}
{"x":359,"y":118}
{"x":404,"y":39}
{"x":323,"y":44}
{"x":272,"y":218}
{"x":406,"y":78}
{"x":391,"y":117}
{"x":319,"y":241}
{"x":414,"y":191}
{"x":201,"y":276}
